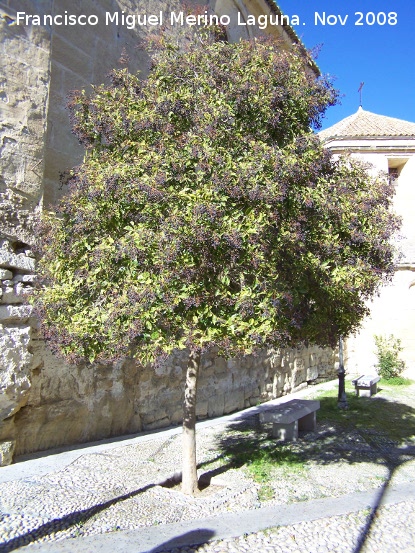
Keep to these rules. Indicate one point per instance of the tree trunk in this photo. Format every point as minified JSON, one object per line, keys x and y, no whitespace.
{"x":189,"y":474}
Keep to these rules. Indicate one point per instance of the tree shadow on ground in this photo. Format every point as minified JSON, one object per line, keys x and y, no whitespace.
{"x":194,"y":538}
{"x":373,"y":430}
{"x":66,"y":522}
{"x":378,"y":431}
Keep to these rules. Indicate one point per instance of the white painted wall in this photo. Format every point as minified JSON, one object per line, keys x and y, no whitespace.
{"x":393,"y":311}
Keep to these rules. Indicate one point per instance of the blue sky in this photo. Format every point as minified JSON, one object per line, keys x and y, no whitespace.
{"x":382,"y":56}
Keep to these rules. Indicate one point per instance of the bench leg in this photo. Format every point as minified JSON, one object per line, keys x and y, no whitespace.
{"x":367,"y":391}
{"x":309,"y":422}
{"x":286,"y":432}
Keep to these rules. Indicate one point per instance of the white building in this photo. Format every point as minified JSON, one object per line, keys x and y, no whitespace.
{"x":389,"y":145}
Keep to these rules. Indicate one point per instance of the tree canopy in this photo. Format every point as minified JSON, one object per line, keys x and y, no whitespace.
{"x":206,"y":212}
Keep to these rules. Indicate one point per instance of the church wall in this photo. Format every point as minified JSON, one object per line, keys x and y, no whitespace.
{"x":79,"y":58}
{"x":24,"y":94}
{"x":393,"y":311}
{"x":404,"y":205}
{"x":40,"y":65}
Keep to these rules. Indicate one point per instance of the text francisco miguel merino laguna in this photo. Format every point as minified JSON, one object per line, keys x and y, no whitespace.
{"x":130,"y":21}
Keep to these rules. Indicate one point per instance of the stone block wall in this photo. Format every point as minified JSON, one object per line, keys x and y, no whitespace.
{"x":81,"y":56}
{"x":228,"y":385}
{"x":17,"y":364}
{"x":24,"y":90}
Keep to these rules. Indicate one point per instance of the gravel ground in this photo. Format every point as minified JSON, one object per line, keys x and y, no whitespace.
{"x":117,"y":490}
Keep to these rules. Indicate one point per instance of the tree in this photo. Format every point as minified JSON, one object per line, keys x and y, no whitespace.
{"x":207,"y":214}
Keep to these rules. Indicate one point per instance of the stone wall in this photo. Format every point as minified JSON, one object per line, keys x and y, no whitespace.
{"x":16,"y":359}
{"x":24,"y":89}
{"x":80,"y":57}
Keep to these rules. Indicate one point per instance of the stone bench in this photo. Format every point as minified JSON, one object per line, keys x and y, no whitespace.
{"x":366,"y":385}
{"x":288,"y":418}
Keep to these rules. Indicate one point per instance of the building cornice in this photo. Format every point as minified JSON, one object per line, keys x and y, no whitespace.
{"x":371,"y":148}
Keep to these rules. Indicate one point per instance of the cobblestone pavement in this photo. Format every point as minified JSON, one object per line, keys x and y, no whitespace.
{"x":392,"y":531}
{"x":119,"y":490}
